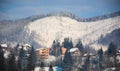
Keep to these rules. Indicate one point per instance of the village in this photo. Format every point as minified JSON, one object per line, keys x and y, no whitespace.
{"x":65,"y":57}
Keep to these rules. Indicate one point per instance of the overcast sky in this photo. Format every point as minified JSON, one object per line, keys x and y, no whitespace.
{"x":16,"y":9}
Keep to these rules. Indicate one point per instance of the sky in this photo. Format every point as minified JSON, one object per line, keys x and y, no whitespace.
{"x":17,"y":9}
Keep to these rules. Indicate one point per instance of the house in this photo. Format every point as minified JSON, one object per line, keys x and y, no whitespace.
{"x":74,"y":52}
{"x":63,"y":50}
{"x":4,"y":46}
{"x":6,"y":50}
{"x":43,"y":53}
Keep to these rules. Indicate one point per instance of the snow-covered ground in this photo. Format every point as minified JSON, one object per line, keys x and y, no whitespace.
{"x":55,"y":27}
{"x":50,"y":59}
{"x":47,"y":69}
{"x":110,"y":69}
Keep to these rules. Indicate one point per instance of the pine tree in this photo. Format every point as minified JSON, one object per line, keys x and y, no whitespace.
{"x":56,"y":48}
{"x":12,"y":63}
{"x":86,"y":64}
{"x":67,"y":44}
{"x":67,"y":61}
{"x":57,"y":44}
{"x":19,"y":65}
{"x":79,"y":45}
{"x":100,"y":55}
{"x":31,"y":60}
{"x":42,"y":66}
{"x":21,"y":60}
{"x":50,"y":67}
{"x":71,"y":44}
{"x":112,"y":49}
{"x":2,"y":60}
{"x":16,"y":49}
{"x":22,"y":54}
{"x":68,"y":58}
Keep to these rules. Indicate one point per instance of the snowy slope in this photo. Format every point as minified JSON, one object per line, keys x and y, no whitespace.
{"x":58,"y":27}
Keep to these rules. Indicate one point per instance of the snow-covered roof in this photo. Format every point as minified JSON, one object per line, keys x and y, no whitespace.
{"x":119,"y":50}
{"x":3,"y":45}
{"x":85,"y":54}
{"x":27,"y":45}
{"x":73,"y":49}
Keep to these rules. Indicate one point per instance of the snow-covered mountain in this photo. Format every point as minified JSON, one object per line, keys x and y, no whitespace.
{"x":41,"y":31}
